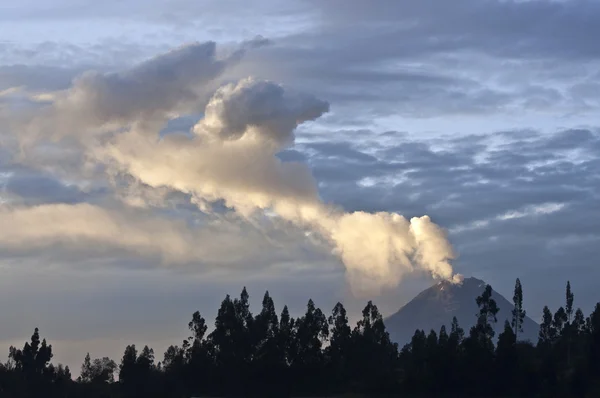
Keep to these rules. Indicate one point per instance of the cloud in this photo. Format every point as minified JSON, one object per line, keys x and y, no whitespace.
{"x":149,"y":92}
{"x":515,"y":203}
{"x":29,"y":228}
{"x":111,"y":236}
{"x":433,"y":60}
{"x":232,"y":156}
{"x":229,"y":155}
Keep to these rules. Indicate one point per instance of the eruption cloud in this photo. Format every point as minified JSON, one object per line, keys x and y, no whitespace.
{"x":230,"y":155}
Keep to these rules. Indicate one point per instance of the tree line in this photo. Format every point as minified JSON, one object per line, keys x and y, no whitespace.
{"x":315,"y":354}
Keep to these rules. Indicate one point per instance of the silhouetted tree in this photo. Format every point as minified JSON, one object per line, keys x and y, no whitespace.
{"x":375,"y":355}
{"x":340,"y":346}
{"x":558,"y":323}
{"x":518,"y":313}
{"x":194,"y":360}
{"x":268,"y":358}
{"x":479,"y":347}
{"x":546,"y":334}
{"x":310,"y":332}
{"x":286,"y":335}
{"x":593,"y":360}
{"x":100,"y":370}
{"x":231,"y":341}
{"x":506,"y":359}
{"x":128,"y":374}
{"x":276,"y":356}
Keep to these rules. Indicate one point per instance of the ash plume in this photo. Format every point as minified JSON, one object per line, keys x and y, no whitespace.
{"x":230,"y":155}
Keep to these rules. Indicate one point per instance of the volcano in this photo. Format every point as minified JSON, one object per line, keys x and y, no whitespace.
{"x":437,"y":305}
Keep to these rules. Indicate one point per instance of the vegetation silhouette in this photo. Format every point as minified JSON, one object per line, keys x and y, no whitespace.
{"x":315,"y":355}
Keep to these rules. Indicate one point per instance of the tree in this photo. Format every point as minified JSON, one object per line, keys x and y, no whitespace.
{"x":488,"y":309}
{"x":593,"y":357}
{"x":311,"y":330}
{"x":479,"y":347}
{"x":233,"y":343}
{"x":546,"y":334}
{"x":414,"y":357}
{"x":173,"y":359}
{"x":340,"y":345}
{"x":100,"y":370}
{"x":457,"y":334}
{"x":85,"y":376}
{"x":518,"y":313}
{"x":286,"y":335}
{"x":33,"y":358}
{"x":375,"y":355}
{"x":578,"y":322}
{"x":273,"y":356}
{"x":266,"y":326}
{"x":558,"y":323}
{"x":32,"y":363}
{"x":127,"y":369}
{"x":103,"y":370}
{"x":568,"y":329}
{"x":198,"y":327}
{"x":569,"y":302}
{"x":145,"y":360}
{"x":307,"y":361}
{"x":244,"y":324}
{"x":506,"y":359}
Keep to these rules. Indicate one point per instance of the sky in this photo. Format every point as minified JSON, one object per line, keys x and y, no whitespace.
{"x":156,"y":156}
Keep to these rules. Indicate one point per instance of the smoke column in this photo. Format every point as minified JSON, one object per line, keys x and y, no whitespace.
{"x":230,"y":155}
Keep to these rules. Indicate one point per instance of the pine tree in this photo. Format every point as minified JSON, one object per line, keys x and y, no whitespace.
{"x":518,"y":313}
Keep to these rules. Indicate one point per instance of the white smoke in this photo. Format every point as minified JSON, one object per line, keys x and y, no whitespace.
{"x":230,"y":155}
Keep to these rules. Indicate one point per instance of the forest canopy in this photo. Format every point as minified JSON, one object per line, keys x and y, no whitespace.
{"x":267,"y":354}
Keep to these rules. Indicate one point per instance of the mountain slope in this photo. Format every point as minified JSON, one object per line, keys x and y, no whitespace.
{"x":436,"y":306}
